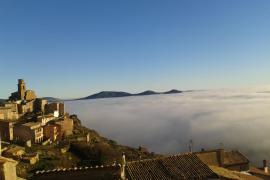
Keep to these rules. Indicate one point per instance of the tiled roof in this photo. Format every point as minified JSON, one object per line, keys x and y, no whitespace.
{"x":32,"y":124}
{"x":186,"y":166}
{"x":209,"y":157}
{"x":234,"y":157}
{"x":228,"y":158}
{"x":227,"y":174}
{"x":110,"y":172}
{"x":257,"y":171}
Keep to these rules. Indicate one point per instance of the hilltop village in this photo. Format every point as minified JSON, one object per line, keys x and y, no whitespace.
{"x":28,"y":119}
{"x":39,"y":135}
{"x":41,"y":141}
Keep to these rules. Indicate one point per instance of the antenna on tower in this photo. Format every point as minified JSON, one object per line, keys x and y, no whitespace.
{"x":190,"y":146}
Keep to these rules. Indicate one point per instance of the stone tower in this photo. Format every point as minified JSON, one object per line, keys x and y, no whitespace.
{"x":21,"y":89}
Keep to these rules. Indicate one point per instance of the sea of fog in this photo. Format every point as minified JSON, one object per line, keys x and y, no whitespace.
{"x":233,"y":119}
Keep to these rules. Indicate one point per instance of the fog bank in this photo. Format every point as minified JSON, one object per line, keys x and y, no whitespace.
{"x":237,"y":119}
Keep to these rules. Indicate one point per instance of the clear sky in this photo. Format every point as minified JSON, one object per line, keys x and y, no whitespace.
{"x":68,"y":48}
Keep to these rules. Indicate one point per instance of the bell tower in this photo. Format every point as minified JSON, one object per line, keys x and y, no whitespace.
{"x":21,"y":89}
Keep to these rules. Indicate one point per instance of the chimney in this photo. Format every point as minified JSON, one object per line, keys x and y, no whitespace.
{"x":265,"y":166}
{"x":220,"y":156}
{"x":123,"y":167}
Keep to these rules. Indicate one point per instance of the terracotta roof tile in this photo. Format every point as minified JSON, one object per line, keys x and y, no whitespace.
{"x":186,"y":166}
{"x":213,"y":158}
{"x":234,"y":157}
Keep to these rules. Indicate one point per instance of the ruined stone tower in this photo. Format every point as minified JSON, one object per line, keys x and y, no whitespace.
{"x":21,"y":89}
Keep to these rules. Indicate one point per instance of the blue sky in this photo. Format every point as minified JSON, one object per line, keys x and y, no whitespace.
{"x":68,"y":48}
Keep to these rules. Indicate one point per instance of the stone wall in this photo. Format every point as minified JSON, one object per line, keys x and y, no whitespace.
{"x":6,"y":130}
{"x":30,"y":95}
{"x":7,"y":113}
{"x":8,"y":169}
{"x":66,"y":125}
{"x":24,"y":133}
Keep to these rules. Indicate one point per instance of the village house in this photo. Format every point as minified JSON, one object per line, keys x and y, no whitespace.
{"x":52,"y":131}
{"x":12,"y":115}
{"x":55,"y":107}
{"x":44,"y":119}
{"x":26,"y":107}
{"x":6,"y":129}
{"x":66,"y":124}
{"x":29,"y":131}
{"x":232,"y":160}
{"x":9,"y":111}
{"x":40,"y":105}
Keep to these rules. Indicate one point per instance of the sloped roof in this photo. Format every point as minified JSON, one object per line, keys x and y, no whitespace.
{"x":257,"y":171}
{"x":234,"y":157}
{"x":110,"y":172}
{"x":225,"y":173}
{"x":209,"y":157}
{"x":213,"y":158}
{"x":186,"y":166}
{"x":14,"y":149}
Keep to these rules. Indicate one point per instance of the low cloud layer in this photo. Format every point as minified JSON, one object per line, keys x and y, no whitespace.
{"x":165,"y":123}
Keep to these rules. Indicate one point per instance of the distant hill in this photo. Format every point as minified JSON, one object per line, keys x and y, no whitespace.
{"x":145,"y":93}
{"x":173,"y":91}
{"x":112,"y":94}
{"x":52,"y":99}
{"x":107,"y":94}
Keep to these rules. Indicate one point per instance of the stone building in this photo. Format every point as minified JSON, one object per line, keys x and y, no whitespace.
{"x":52,"y":132}
{"x":40,"y":105}
{"x":22,"y":93}
{"x":56,"y":106}
{"x":44,"y":119}
{"x":66,"y":125}
{"x":6,"y":129}
{"x":8,"y":169}
{"x":8,"y":113}
{"x":26,"y":107}
{"x":232,"y":160}
{"x":30,"y":95}
{"x":29,"y":131}
{"x":24,"y":99}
